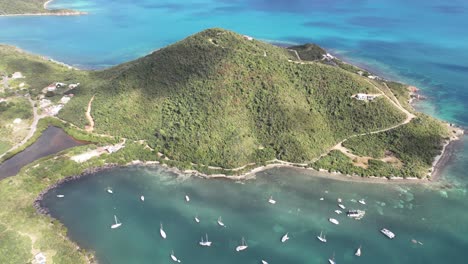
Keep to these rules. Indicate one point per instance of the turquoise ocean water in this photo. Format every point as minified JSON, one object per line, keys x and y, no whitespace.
{"x":423,"y":43}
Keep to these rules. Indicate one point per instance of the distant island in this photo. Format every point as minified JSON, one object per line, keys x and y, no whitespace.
{"x":216,"y":104}
{"x":32,"y":8}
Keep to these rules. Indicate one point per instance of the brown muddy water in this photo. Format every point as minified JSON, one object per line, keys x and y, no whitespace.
{"x":52,"y":140}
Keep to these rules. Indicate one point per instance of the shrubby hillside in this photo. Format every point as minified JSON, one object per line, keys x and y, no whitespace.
{"x":218,"y":98}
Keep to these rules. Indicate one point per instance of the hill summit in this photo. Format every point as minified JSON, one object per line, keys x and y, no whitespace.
{"x":223,"y":99}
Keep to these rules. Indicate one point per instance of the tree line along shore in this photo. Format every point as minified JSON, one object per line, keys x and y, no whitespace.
{"x":210,"y":104}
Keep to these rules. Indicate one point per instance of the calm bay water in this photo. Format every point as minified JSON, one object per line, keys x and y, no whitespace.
{"x":435,"y":217}
{"x":419,"y":42}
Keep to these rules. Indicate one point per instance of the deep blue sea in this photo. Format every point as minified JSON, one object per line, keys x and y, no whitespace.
{"x":423,"y":43}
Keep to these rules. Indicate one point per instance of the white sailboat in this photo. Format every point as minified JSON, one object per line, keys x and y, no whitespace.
{"x":322,"y":238}
{"x":285,"y":238}
{"x":220,"y":222}
{"x":264,"y":262}
{"x":321,"y":199}
{"x":109,"y":190}
{"x":243,"y":246}
{"x":60,"y":195}
{"x":358,"y":252}
{"x":333,"y":221}
{"x":116,"y":224}
{"x":332,"y":260}
{"x":362,"y":201}
{"x":174,"y":258}
{"x":338,"y":211}
{"x":187,"y":198}
{"x":205,"y":243}
{"x":197,"y":219}
{"x":341,"y":206}
{"x":162,"y":232}
{"x":142,"y":198}
{"x":271,"y":200}
{"x":339,"y":200}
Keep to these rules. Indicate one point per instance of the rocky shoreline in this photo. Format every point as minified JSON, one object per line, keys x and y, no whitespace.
{"x":65,"y":13}
{"x":87,"y":172}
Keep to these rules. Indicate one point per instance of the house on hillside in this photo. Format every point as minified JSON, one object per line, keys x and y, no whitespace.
{"x":17,"y":75}
{"x":365,"y":97}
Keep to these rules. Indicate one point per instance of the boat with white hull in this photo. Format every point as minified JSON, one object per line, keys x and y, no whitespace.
{"x":162,"y":232}
{"x":116,"y":224}
{"x":205,"y":243}
{"x":243,"y":246}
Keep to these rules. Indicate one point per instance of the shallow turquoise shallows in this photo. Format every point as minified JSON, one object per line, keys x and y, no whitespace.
{"x":436,"y":218}
{"x":423,"y":43}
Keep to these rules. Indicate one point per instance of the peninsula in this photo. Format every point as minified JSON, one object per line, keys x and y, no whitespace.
{"x":216,"y":103}
{"x":32,"y":8}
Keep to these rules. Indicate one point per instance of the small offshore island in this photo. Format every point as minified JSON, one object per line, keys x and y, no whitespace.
{"x":216,"y":104}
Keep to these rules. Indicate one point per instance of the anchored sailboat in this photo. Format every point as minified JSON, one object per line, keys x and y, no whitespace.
{"x":142,"y":198}
{"x":161,"y":231}
{"x":243,"y":246}
{"x":187,"y":198}
{"x":220,"y":222}
{"x":322,"y":238}
{"x":197,"y":219}
{"x":174,"y":258}
{"x":285,"y":238}
{"x":205,"y":243}
{"x":271,"y":200}
{"x":109,"y":190}
{"x":117,"y":223}
{"x":358,"y":252}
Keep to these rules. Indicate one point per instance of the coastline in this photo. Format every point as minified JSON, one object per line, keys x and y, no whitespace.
{"x":48,"y":13}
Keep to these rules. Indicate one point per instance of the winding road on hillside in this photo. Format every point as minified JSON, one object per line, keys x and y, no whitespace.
{"x":32,"y":128}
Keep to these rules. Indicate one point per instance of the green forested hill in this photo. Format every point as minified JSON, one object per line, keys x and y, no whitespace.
{"x":217,"y":98}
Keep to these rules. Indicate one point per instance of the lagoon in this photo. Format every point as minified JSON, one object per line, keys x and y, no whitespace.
{"x":51,"y":141}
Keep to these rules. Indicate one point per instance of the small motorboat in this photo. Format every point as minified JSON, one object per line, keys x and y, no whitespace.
{"x":338,"y":212}
{"x":264,"y":262}
{"x":362,"y":201}
{"x":387,"y":233}
{"x":197,"y":219}
{"x":271,"y":200}
{"x":109,"y":190}
{"x":333,"y":221}
{"x":174,"y":258}
{"x":142,"y":198}
{"x":341,"y":206}
{"x":220,"y":222}
{"x":243,"y":246}
{"x":339,"y":200}
{"x":205,"y":243}
{"x":60,"y":195}
{"x":332,"y":260}
{"x":321,"y":199}
{"x":116,"y":224}
{"x":322,"y":238}
{"x":162,"y":232}
{"x":285,"y":238}
{"x":187,"y":198}
{"x":358,"y":252}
